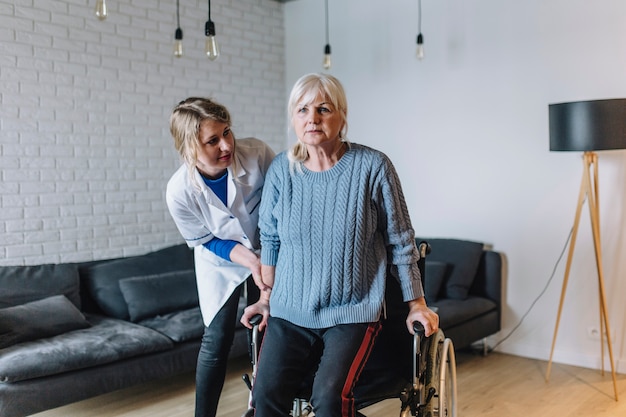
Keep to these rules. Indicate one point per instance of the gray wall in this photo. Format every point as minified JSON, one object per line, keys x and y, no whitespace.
{"x":467,"y":129}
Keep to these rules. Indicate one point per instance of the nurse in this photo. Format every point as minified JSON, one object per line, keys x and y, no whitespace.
{"x":214,"y":200}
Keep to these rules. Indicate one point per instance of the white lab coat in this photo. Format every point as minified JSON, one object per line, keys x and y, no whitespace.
{"x":200,"y":216}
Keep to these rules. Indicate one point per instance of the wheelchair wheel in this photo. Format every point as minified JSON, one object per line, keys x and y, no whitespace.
{"x":447,"y":381}
{"x":440,"y":374}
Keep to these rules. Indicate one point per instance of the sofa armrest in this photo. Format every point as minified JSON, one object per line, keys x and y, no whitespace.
{"x":488,"y":280}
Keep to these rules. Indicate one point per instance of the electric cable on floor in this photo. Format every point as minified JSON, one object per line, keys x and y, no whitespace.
{"x":538,"y":297}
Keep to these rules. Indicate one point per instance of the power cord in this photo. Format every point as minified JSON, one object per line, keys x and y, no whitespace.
{"x":538,"y":297}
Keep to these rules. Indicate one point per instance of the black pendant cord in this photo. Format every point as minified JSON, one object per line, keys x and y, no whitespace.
{"x":419,"y":17}
{"x":327,"y":30}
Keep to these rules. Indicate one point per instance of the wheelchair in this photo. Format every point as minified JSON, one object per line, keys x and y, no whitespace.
{"x":420,"y":372}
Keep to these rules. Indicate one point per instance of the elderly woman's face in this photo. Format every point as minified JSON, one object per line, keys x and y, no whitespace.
{"x":317,"y":122}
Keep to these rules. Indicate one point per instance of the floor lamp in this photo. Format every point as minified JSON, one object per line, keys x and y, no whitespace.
{"x":588,"y":126}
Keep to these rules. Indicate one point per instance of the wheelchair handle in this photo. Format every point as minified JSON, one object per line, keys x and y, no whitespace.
{"x":418,"y":328}
{"x":256,"y":319}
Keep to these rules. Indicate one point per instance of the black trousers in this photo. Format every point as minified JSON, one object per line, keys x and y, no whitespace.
{"x":289,"y":354}
{"x":214,"y":349}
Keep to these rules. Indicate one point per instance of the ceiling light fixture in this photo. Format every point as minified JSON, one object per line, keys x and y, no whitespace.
{"x":420,"y":38}
{"x":178,"y":35}
{"x":101,"y":9}
{"x":327,"y":62}
{"x":211,"y":48}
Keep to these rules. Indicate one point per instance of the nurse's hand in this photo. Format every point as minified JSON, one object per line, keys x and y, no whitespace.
{"x":258,"y":280}
{"x":245,"y":257}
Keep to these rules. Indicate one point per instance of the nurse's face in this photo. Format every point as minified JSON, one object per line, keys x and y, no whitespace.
{"x":215,"y":150}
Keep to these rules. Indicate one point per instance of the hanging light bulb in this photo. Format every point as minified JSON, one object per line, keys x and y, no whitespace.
{"x":327,"y":61}
{"x":420,"y":47}
{"x":178,"y":43}
{"x":178,"y":35}
{"x":420,"y":38}
{"x":101,"y":9}
{"x":211,"y":48}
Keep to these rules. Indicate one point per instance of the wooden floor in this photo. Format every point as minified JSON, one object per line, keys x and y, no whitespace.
{"x":494,"y":386}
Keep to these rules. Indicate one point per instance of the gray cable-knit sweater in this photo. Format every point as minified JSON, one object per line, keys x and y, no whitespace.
{"x":331,"y":235}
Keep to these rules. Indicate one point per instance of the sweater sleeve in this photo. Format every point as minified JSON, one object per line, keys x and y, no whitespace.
{"x":403,"y":253}
{"x":270,"y":242}
{"x":221,"y":247}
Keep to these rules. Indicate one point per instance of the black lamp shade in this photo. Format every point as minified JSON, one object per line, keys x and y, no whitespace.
{"x":588,"y":125}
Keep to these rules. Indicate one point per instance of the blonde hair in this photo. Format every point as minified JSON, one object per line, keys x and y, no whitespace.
{"x":185,"y":128}
{"x":304,"y":91}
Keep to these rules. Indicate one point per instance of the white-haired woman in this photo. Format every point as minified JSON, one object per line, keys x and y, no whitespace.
{"x":333,"y":217}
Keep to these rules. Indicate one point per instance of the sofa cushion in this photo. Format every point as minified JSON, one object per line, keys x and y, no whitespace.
{"x":107,"y":340}
{"x":179,"y":325}
{"x":22,"y":284}
{"x":463,"y":258}
{"x":456,"y":312}
{"x":47,"y":317}
{"x":433,"y":279}
{"x":151,"y":295}
{"x":102,"y":279}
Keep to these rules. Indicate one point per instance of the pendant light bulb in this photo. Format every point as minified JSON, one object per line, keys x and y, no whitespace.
{"x":419,"y":52}
{"x":327,"y":62}
{"x":178,"y":35}
{"x":101,"y":9}
{"x":178,"y":43}
{"x":420,"y":47}
{"x":211,"y":47}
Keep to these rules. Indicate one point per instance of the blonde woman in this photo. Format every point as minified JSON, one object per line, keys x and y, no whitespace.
{"x":214,"y":200}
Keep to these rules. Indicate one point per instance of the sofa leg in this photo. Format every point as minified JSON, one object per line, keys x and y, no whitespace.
{"x":485,"y":347}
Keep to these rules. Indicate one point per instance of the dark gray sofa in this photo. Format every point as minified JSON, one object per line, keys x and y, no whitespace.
{"x":463,"y":279}
{"x":129,"y":333}
{"x":73,"y":331}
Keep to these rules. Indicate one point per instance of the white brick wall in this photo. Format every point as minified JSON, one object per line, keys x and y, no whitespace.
{"x":85,"y":150}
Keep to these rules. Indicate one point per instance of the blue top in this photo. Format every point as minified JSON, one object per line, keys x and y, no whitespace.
{"x":330,"y":236}
{"x":216,"y":245}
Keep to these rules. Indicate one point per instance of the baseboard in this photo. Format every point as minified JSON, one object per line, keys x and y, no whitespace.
{"x":566,"y":357}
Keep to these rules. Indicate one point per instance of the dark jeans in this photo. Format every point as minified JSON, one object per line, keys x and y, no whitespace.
{"x":214,"y":349}
{"x":289,"y":354}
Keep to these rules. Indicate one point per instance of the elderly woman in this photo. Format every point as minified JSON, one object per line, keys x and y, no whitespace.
{"x":214,"y":200}
{"x":332,"y":218}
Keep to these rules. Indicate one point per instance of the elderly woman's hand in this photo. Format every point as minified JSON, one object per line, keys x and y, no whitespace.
{"x":261,"y":307}
{"x":419,"y":311}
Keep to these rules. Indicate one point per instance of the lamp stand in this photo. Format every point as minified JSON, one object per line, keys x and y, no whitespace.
{"x":589,"y":189}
